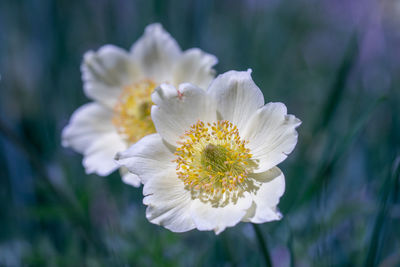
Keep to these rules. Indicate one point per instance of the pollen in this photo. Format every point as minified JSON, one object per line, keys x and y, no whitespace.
{"x":212,"y":158}
{"x":132,"y":112}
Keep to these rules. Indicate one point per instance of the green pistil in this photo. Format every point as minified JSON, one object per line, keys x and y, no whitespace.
{"x":144,"y":109}
{"x":215,"y":156}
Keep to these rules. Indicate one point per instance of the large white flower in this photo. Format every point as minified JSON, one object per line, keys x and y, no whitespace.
{"x":213,"y":162}
{"x":121,"y":83}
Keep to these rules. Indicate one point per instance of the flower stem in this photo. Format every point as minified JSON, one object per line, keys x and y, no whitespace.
{"x":263,"y":245}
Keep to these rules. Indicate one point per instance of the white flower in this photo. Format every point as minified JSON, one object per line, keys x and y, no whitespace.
{"x":121,"y":83}
{"x":213,"y":162}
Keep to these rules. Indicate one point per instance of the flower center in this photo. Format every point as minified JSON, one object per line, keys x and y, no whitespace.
{"x":212,"y":158}
{"x":132,"y":111}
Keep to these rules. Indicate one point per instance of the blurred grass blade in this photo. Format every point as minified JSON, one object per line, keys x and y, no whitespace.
{"x":262,"y":245}
{"x":339,"y":84}
{"x":388,"y":196}
{"x":323,"y":173}
{"x":227,"y":249}
{"x":69,"y":204}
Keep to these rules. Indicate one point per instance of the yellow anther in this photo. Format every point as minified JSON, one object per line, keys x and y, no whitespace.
{"x":212,"y":157}
{"x":132,"y":111}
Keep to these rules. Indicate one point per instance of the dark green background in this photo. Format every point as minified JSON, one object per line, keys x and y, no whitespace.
{"x":336,"y":66}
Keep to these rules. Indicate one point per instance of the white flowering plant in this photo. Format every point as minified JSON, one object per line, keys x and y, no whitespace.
{"x":212,"y":162}
{"x":120,"y":84}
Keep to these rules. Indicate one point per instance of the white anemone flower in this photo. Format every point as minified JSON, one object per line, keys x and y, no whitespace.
{"x":213,"y":161}
{"x":120,"y":83}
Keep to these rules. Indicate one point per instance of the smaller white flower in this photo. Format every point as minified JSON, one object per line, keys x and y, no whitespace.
{"x":213,"y":162}
{"x":121,"y":83}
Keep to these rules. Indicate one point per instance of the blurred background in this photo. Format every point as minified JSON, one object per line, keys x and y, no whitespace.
{"x":336,"y":66}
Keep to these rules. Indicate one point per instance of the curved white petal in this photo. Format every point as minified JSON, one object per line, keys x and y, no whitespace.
{"x":167,"y":200}
{"x":195,"y":66}
{"x":105,"y":72}
{"x":145,"y":157}
{"x":91,"y":132}
{"x":217,"y":219}
{"x":87,"y":123}
{"x":156,"y":52}
{"x":99,"y":157}
{"x":176,"y":110}
{"x":129,"y":178}
{"x":237,"y":96}
{"x":271,"y":134}
{"x":267,"y":196}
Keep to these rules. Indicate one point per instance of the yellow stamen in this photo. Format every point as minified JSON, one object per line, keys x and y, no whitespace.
{"x":213,"y":158}
{"x":132,"y":111}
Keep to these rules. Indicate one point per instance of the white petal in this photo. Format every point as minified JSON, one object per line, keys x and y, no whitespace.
{"x":87,"y":123}
{"x":208,"y":218}
{"x":91,"y":132}
{"x":156,"y":52}
{"x":106,"y":72}
{"x":167,"y":200}
{"x":129,"y":178}
{"x":176,"y":110}
{"x":99,"y":157}
{"x":195,"y":66}
{"x":146,"y":157}
{"x":237,"y":96}
{"x":267,"y":197}
{"x":271,"y":134}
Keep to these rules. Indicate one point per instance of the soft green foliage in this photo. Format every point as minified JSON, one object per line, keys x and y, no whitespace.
{"x":335,"y":64}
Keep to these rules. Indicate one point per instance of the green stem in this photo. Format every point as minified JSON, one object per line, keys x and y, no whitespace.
{"x":263,"y":245}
